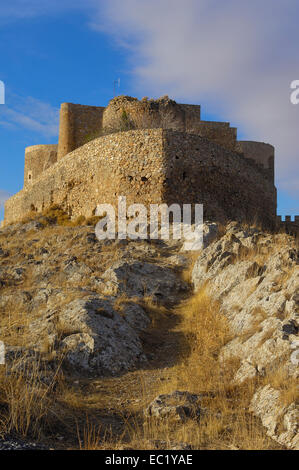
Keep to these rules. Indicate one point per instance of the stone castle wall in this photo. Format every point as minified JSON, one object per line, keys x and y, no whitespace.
{"x":288,"y":225}
{"x":150,"y":151}
{"x":125,"y":111}
{"x":229,"y":186}
{"x":96,"y":173}
{"x":151,"y":166}
{"x":80,"y":123}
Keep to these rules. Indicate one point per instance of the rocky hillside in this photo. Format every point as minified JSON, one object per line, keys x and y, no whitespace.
{"x":255,"y":278}
{"x":127,"y":349}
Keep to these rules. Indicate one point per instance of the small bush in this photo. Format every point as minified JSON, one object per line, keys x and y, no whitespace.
{"x":81,"y":220}
{"x":125,"y":122}
{"x":56,"y":215}
{"x":92,"y":220}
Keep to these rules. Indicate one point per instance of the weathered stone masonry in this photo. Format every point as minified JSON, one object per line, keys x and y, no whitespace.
{"x":38,"y":158}
{"x":179,"y":159}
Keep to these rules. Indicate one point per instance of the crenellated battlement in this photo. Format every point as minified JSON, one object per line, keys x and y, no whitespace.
{"x":290,"y":224}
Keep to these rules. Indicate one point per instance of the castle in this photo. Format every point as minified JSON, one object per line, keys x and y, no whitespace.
{"x":152,"y":152}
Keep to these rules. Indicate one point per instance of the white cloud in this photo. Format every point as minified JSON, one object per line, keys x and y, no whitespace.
{"x":30,"y":114}
{"x":236,"y":58}
{"x":4,"y":195}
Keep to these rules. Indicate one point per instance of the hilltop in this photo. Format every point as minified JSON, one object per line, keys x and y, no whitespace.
{"x":95,"y":331}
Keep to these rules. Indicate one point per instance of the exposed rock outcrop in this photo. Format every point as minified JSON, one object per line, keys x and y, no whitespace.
{"x":255,"y":277}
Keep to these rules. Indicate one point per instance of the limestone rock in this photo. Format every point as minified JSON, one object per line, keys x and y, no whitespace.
{"x":178,"y":406}
{"x":256,"y":293}
{"x":255,"y":278}
{"x":209,"y":233}
{"x":281,"y":421}
{"x":139,"y":279}
{"x":93,"y":336}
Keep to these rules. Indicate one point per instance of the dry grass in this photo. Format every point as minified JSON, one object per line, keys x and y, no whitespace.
{"x":287,"y":386}
{"x":91,"y":438}
{"x":14,"y":324}
{"x":27,"y":405}
{"x":186,"y":274}
{"x":55,"y":215}
{"x":206,"y":331}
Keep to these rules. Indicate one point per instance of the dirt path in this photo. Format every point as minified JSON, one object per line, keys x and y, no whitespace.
{"x":115,"y":403}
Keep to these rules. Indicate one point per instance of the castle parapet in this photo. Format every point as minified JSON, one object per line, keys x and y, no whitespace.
{"x":125,"y":112}
{"x":288,"y":225}
{"x":219,"y":132}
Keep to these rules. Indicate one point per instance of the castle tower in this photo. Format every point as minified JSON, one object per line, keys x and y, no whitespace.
{"x":261,"y":153}
{"x":38,"y":158}
{"x":78,"y":125}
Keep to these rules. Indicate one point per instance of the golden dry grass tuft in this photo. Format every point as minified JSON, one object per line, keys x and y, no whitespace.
{"x":287,"y":386}
{"x":27,"y":405}
{"x":55,"y":215}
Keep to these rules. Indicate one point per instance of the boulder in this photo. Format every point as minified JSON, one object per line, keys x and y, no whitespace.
{"x":139,"y":279}
{"x":93,"y":336}
{"x":281,"y":421}
{"x":177,"y":406}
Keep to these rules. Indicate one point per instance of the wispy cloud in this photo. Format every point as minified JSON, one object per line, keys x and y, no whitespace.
{"x":236,"y":58}
{"x":30,"y":114}
{"x":22,"y":9}
{"x":4,"y":195}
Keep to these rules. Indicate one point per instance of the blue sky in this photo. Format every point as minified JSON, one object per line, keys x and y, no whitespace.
{"x":233,"y":58}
